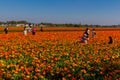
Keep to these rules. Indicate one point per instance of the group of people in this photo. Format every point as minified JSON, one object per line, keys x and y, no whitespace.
{"x":29,"y":29}
{"x":86,"y":34}
{"x":26,"y":29}
{"x":85,"y":37}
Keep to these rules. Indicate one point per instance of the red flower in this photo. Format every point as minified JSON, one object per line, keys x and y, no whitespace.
{"x":73,"y":78}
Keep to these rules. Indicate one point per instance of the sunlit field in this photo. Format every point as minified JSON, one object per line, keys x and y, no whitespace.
{"x":59,"y":56}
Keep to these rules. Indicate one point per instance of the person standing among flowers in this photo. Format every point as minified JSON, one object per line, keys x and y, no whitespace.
{"x":6,"y":30}
{"x":93,"y":33}
{"x":41,"y":29}
{"x":25,"y":31}
{"x":33,"y":31}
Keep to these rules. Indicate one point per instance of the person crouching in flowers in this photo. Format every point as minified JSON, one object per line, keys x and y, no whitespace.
{"x":110,"y":40}
{"x":87,"y":32}
{"x":84,"y":39}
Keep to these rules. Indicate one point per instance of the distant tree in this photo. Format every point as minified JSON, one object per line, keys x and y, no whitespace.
{"x":76,"y":25}
{"x":22,"y":22}
{"x":11,"y":22}
{"x":2,"y":23}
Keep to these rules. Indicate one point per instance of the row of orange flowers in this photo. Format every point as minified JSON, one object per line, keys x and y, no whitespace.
{"x":63,"y":29}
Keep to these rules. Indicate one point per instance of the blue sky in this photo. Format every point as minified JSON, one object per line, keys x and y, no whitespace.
{"x":103,"y":12}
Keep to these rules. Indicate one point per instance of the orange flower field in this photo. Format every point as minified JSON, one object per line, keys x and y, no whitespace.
{"x":59,"y":56}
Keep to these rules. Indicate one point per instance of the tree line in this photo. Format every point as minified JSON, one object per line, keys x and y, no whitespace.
{"x":80,"y":25}
{"x":57,"y":25}
{"x":14,"y":22}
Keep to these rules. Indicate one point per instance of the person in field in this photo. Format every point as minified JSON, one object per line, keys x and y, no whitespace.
{"x":29,"y":29}
{"x":33,"y":31}
{"x":6,"y":30}
{"x":25,"y":31}
{"x":41,"y":29}
{"x":87,"y":32}
{"x":84,"y":39}
{"x":110,"y":40}
{"x":93,"y":33}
